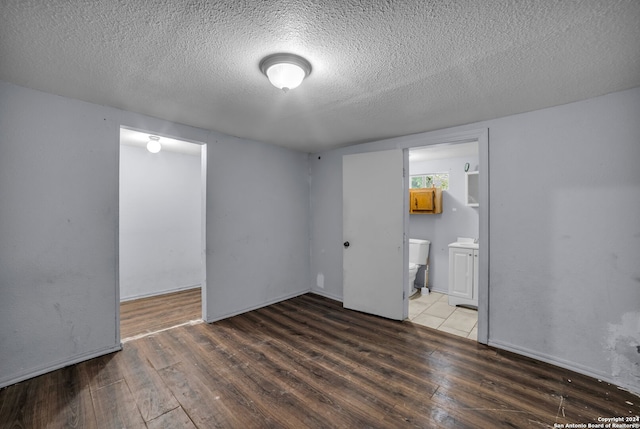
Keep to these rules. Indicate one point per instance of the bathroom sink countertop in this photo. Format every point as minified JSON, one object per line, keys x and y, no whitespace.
{"x":467,"y":243}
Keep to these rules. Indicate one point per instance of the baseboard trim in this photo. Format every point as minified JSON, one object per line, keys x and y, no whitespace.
{"x":59,"y":364}
{"x":255,"y":307}
{"x":163,"y":292}
{"x":327,"y":295}
{"x":562,"y":363}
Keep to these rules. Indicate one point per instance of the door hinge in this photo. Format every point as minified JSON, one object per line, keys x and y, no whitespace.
{"x":403,"y":294}
{"x":403,"y":172}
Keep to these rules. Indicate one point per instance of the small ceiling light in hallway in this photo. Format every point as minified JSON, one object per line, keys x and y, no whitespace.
{"x":285,"y":71}
{"x":154,"y":145}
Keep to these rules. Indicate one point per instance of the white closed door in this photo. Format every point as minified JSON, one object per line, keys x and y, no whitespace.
{"x":373,"y":230}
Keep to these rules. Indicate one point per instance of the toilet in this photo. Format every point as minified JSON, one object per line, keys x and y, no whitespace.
{"x":418,"y":253}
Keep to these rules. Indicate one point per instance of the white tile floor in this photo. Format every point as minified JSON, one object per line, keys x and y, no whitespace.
{"x":433,"y":310}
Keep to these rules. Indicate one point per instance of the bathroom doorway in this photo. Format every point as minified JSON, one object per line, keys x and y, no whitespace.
{"x":161,"y":232}
{"x":446,"y":164}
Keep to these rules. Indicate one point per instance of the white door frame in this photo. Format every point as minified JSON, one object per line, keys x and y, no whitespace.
{"x":203,"y":235}
{"x":405,"y":261}
{"x":482,"y":137}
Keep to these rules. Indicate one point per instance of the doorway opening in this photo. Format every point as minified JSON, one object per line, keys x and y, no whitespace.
{"x":161,"y":233}
{"x":448,"y":297}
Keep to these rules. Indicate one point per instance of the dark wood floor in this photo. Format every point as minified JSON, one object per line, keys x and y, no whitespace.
{"x":308,"y":363}
{"x":142,"y":316}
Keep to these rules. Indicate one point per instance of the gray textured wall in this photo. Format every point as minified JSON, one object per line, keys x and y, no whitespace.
{"x":257,"y":225}
{"x":58,"y":220}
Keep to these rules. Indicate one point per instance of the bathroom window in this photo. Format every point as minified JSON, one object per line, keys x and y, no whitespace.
{"x":430,"y":180}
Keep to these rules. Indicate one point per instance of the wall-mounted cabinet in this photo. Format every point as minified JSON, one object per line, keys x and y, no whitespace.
{"x":472,"y":189}
{"x":425,"y":201}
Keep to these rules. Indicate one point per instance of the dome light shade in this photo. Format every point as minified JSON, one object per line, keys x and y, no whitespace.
{"x":154,"y":145}
{"x":285,"y":71}
{"x":285,"y":75}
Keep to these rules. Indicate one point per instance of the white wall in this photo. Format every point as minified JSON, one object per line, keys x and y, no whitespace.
{"x":59,"y":226}
{"x":160,"y":222}
{"x":257,"y":225}
{"x":456,"y":219}
{"x":58,"y":220}
{"x":564,"y":232}
{"x":565,"y":235}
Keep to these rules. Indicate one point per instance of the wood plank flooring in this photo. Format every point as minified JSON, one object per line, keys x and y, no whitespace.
{"x":309,"y":363}
{"x":152,"y":314}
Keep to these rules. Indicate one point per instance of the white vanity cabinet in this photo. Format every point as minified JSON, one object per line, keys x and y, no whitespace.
{"x":463,"y":274}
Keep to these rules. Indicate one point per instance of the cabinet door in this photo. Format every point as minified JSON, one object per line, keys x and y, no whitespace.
{"x":421,"y":200}
{"x":461,"y":272}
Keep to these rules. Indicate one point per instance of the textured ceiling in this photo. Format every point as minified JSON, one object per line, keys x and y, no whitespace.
{"x":380,"y":68}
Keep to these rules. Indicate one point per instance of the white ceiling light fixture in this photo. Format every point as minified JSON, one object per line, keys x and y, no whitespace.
{"x":285,"y":71}
{"x":154,"y":145}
